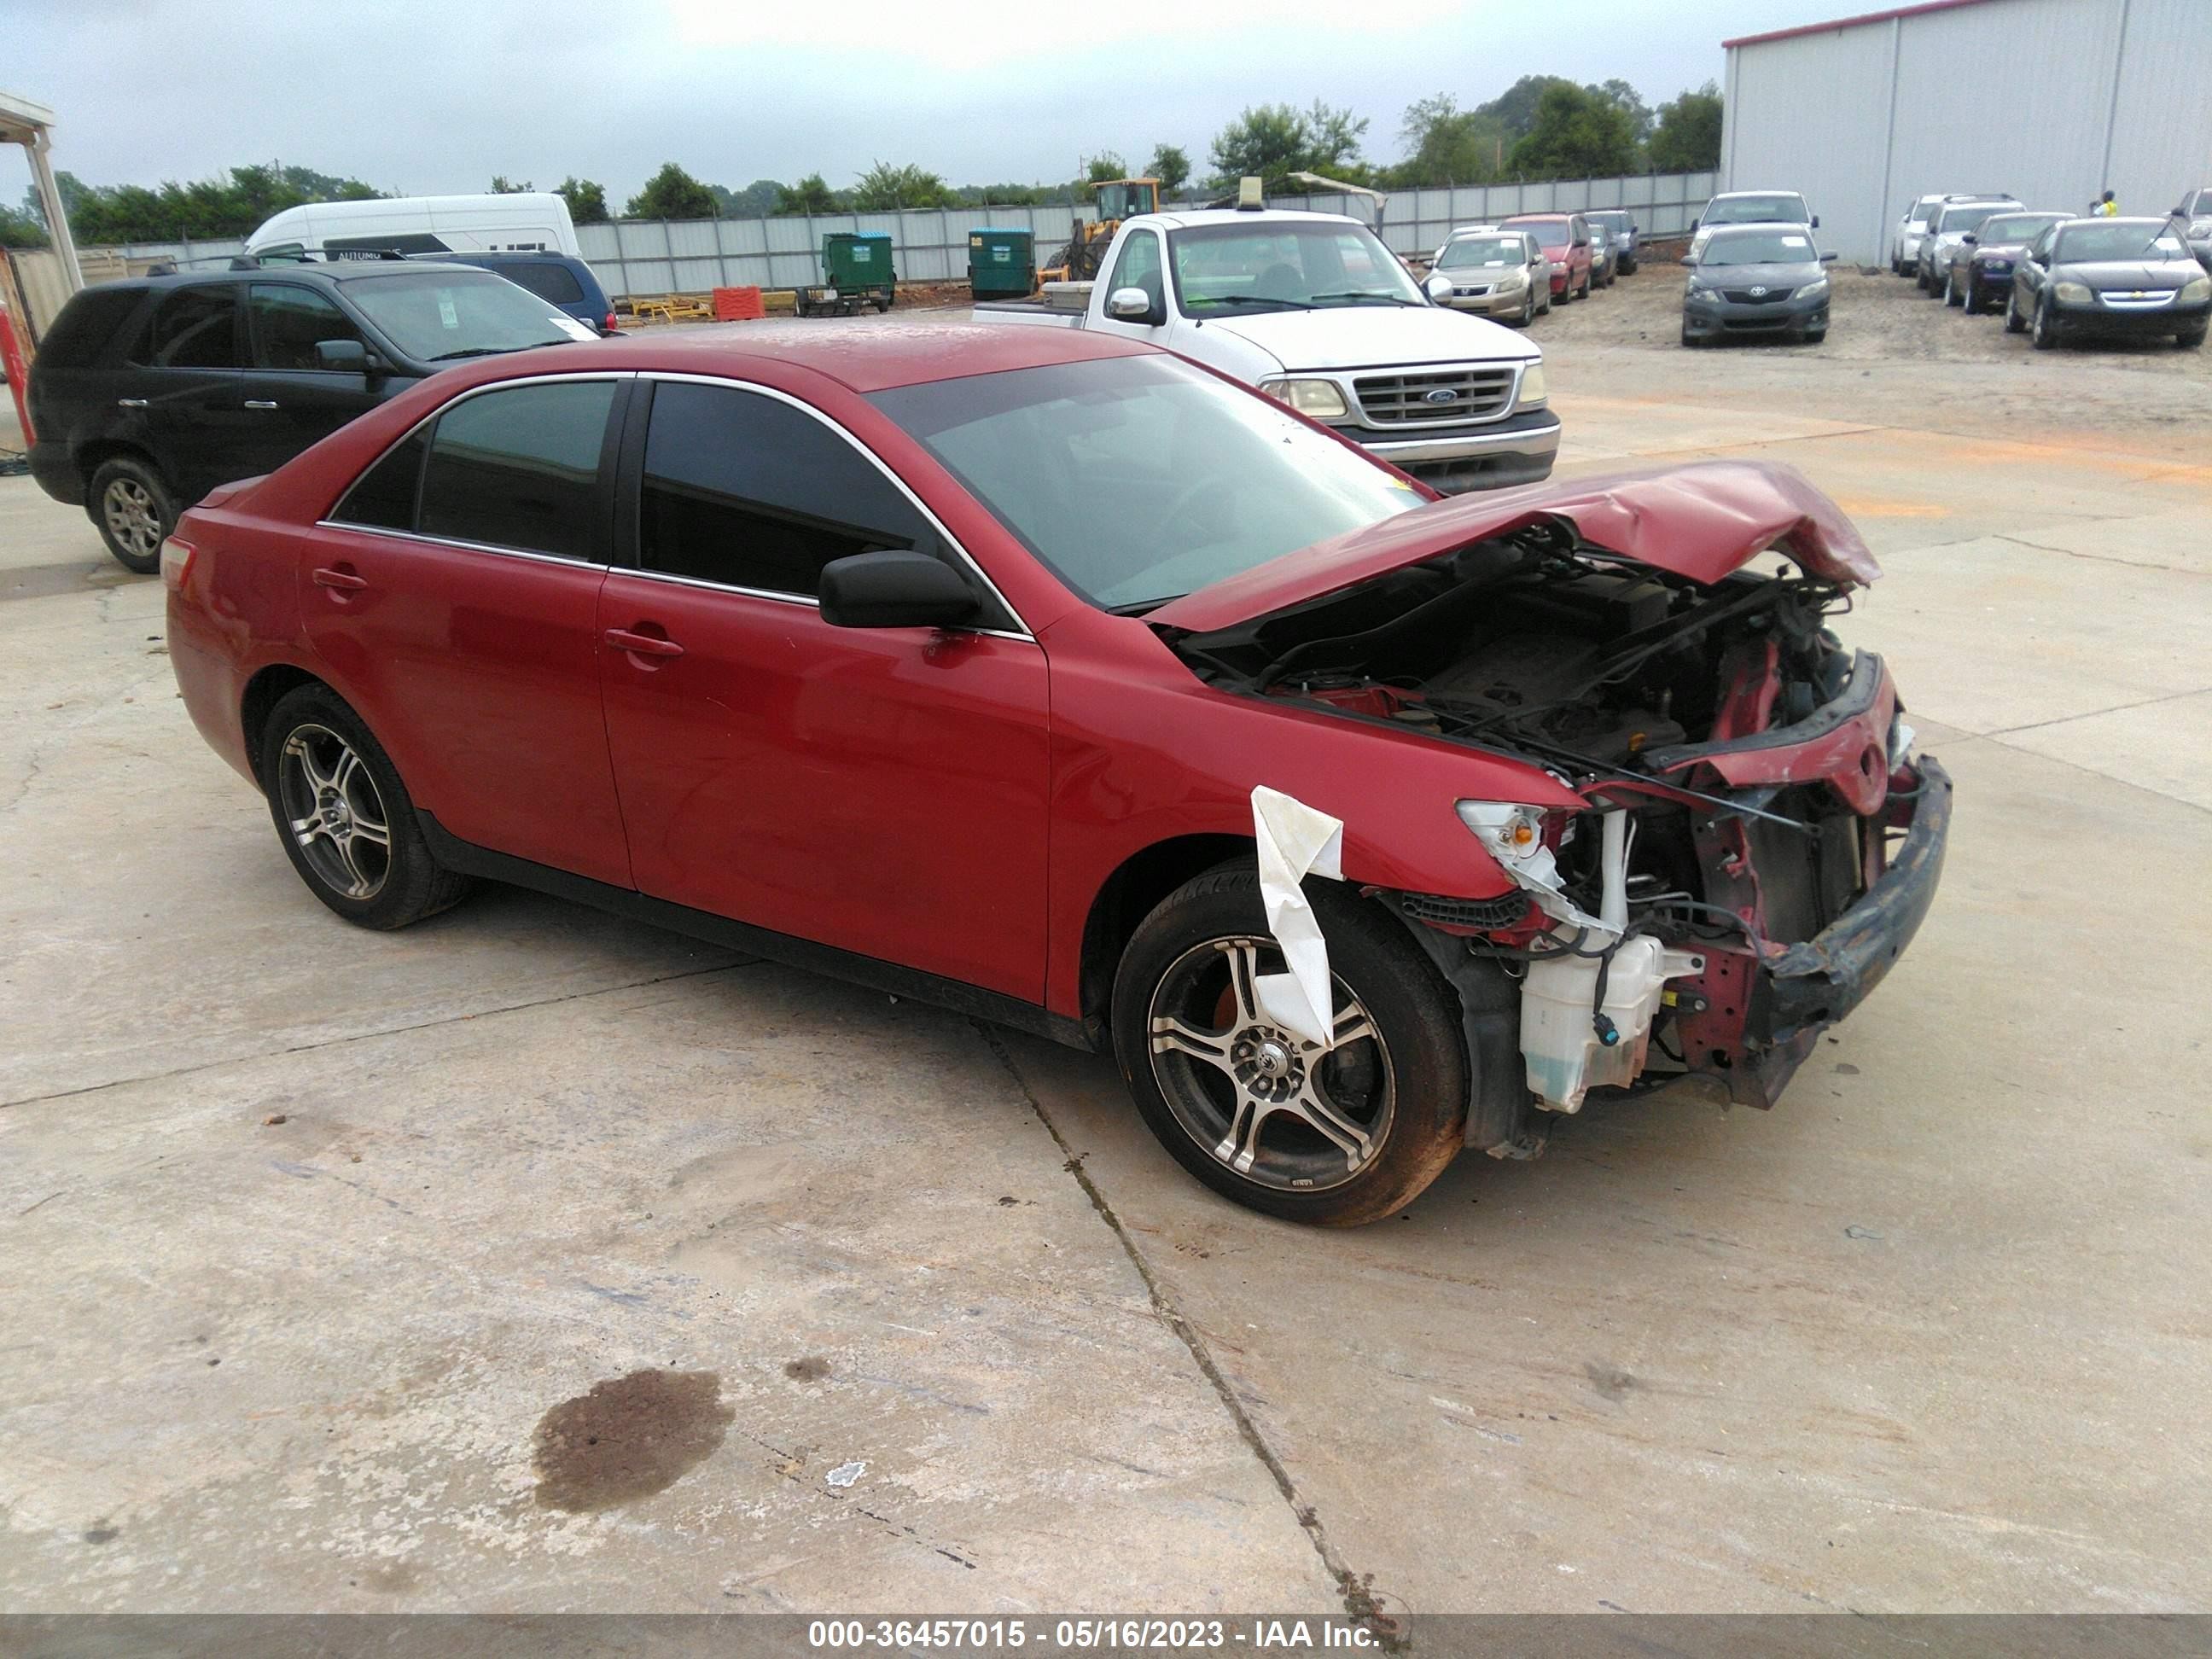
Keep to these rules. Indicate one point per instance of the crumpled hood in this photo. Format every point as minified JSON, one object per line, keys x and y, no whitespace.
{"x":1376,"y":336}
{"x":1700,"y":521}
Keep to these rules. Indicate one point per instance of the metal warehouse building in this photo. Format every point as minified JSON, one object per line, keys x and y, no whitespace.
{"x":2053,"y":100}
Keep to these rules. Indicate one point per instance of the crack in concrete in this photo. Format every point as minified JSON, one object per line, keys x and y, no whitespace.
{"x":2092,"y":713}
{"x":2098,"y":558}
{"x":365,"y":1037}
{"x":1357,"y":1596}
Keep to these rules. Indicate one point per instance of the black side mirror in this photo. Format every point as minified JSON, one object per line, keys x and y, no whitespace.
{"x":897,"y":588}
{"x":1968,"y":239}
{"x":1815,"y":225}
{"x":1828,"y":258}
{"x":344,"y":356}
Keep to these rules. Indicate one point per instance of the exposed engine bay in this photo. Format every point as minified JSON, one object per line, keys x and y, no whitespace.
{"x":1745,"y":776}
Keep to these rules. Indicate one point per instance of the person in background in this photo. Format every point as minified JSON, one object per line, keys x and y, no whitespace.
{"x":2105,"y":207}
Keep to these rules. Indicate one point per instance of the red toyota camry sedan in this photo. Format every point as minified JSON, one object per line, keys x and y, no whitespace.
{"x":1063,"y":682}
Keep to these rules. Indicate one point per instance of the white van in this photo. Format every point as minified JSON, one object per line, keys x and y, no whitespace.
{"x":528,"y":220}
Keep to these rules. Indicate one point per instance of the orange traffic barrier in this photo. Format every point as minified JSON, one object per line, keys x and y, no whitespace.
{"x":738,"y":305}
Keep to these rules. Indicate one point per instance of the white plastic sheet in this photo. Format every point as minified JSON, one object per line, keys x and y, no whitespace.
{"x":1297,"y":841}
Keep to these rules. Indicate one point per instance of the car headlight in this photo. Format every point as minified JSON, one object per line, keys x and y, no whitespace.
{"x":2073,"y":294}
{"x":1514,"y":836}
{"x":1532,"y":388}
{"x":1813,"y":290}
{"x":2200,"y":226}
{"x":2196,"y":288}
{"x":1513,"y":281}
{"x":1319,"y":398}
{"x":1699,"y":291}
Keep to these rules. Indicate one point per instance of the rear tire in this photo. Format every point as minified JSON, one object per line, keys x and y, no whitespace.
{"x":1950,"y":294}
{"x":344,"y":817}
{"x":1220,"y":1085}
{"x":131,"y":504}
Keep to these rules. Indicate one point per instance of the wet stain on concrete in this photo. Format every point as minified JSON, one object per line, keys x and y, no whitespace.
{"x":627,"y":1438}
{"x":812,"y":1369}
{"x":1610,"y":1380}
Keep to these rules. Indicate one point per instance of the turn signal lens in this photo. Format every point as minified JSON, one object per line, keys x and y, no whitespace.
{"x":177,"y":556}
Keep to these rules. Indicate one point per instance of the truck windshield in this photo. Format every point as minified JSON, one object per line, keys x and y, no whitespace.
{"x":1136,"y":480}
{"x":435,"y":316}
{"x":1278,"y":264}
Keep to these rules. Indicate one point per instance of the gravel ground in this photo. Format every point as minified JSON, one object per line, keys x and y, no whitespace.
{"x":1919,"y":362}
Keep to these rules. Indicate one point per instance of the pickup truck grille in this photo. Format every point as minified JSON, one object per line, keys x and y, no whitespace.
{"x":1410,"y":400}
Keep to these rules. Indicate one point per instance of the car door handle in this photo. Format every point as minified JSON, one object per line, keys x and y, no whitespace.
{"x":131,"y":402}
{"x":646,"y":644}
{"x":259,"y":403}
{"x":345,"y":580}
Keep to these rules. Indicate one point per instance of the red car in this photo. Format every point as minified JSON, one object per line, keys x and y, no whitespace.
{"x":1567,"y":241}
{"x":1028,"y":671}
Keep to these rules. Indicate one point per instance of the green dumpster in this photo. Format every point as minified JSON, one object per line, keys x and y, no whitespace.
{"x":1001,"y":262}
{"x":858,"y":264}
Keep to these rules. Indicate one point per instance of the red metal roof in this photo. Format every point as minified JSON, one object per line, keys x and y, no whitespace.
{"x":1851,"y":22}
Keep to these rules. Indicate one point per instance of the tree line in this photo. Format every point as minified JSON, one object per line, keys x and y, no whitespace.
{"x":1542,"y":127}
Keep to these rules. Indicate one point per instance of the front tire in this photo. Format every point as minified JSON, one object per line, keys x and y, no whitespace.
{"x":344,"y":817}
{"x":2189,"y":338}
{"x":1333,"y":1138}
{"x":134,"y":510}
{"x":2046,"y":330}
{"x":2013,"y":323}
{"x":1950,"y":294}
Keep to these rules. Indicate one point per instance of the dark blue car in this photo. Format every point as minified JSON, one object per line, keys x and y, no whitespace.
{"x":556,"y":278}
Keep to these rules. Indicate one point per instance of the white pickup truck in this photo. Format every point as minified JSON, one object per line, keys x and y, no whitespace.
{"x":1312,"y":309}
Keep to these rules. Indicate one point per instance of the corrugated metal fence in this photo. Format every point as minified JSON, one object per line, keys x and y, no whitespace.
{"x":660,"y":256}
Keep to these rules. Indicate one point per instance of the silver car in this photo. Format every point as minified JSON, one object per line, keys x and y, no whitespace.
{"x":2194,"y":215}
{"x":1905,"y":241}
{"x":1496,"y":273}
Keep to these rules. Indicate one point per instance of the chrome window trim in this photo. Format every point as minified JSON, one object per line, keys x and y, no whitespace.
{"x":873,"y":459}
{"x":465,"y":547}
{"x":329,"y":522}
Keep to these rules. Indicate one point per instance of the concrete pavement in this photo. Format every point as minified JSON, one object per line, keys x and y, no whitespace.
{"x":1931,"y":1336}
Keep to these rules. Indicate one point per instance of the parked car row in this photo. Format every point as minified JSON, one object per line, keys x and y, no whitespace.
{"x":1517,"y":269}
{"x":2059,"y":275}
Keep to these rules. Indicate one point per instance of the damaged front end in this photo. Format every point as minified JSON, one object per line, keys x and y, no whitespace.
{"x":1759,"y":841}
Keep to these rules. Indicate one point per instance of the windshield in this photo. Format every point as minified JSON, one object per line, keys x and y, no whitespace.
{"x":1136,"y":480}
{"x":435,"y":316}
{"x":1550,"y":233}
{"x":1285,"y":265}
{"x":2005,"y":229}
{"x":1483,"y":251}
{"x":1778,"y":247}
{"x":1754,"y":209}
{"x":1923,"y":210}
{"x":1967,"y":215}
{"x":1615,"y":222}
{"x":2086,"y":244}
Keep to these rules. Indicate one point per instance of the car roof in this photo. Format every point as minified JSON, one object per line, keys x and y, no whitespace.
{"x":336,"y":271}
{"x":2139,"y":222}
{"x":1734,"y":195}
{"x":864,"y":356}
{"x":1194,"y":217}
{"x":1759,"y":227}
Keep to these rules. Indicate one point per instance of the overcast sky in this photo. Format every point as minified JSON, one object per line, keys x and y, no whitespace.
{"x":427,"y":97}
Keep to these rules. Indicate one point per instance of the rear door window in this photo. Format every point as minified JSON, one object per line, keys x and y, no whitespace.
{"x":289,"y":321}
{"x":519,"y":468}
{"x":196,"y":328}
{"x":548,"y":281}
{"x":746,"y":491}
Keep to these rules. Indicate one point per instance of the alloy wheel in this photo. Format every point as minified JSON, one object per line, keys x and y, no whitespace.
{"x":127,"y":507}
{"x":336,"y":814}
{"x":1277,"y":1109}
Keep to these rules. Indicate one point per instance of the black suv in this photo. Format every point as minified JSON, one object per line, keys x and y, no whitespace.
{"x":148,"y":393}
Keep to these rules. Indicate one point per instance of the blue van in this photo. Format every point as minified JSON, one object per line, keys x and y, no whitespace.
{"x":559,"y":279}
